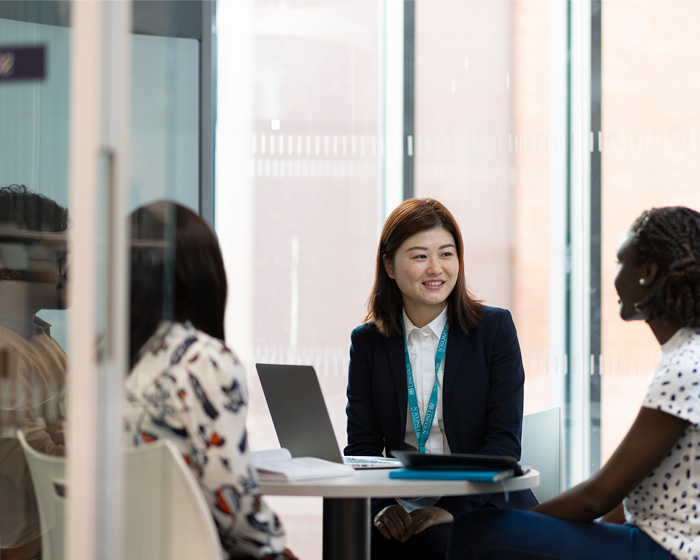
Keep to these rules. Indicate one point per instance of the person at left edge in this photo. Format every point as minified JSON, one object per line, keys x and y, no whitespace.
{"x":419,"y":288}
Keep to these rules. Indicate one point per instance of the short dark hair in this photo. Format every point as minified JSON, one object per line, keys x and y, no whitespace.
{"x":385,"y":302}
{"x":30,"y":211}
{"x":177,"y":273}
{"x":670,"y":237}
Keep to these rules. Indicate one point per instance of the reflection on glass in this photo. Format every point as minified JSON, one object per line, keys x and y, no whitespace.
{"x":33,"y":275}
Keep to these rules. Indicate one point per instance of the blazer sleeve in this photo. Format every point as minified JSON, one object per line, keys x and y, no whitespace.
{"x":504,"y":405}
{"x":363,"y":429}
{"x":504,"y":411}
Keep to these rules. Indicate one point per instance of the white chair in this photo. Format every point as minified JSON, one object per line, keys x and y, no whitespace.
{"x":542,"y":449}
{"x":49,"y":485}
{"x":167,"y":517}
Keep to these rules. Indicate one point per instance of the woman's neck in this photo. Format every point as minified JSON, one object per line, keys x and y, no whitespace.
{"x":663,"y":330}
{"x":421,"y":316}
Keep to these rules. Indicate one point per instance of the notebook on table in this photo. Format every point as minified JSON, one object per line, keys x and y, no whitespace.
{"x":456,"y":466}
{"x":301,"y":419}
{"x":470,"y":475}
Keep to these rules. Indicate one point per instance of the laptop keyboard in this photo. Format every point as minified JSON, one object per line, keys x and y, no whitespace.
{"x":360,"y":462}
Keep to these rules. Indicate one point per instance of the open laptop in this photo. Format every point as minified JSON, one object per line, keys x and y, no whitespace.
{"x":301,"y":419}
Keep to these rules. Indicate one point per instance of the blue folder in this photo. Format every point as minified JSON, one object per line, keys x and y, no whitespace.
{"x":472,"y":475}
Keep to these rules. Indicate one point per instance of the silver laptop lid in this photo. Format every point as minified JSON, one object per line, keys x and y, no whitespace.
{"x":298,"y":411}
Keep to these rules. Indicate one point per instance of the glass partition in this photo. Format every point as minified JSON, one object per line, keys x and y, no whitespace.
{"x":36,"y":41}
{"x":165,"y":131}
{"x":34,"y":263}
{"x":166,"y":151}
{"x":165,"y":156}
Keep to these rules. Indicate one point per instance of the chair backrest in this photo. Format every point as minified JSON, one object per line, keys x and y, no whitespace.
{"x":167,"y":517}
{"x":542,"y":449}
{"x":48,"y":476}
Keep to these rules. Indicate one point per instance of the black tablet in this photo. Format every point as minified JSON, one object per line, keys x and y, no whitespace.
{"x":457,"y":461}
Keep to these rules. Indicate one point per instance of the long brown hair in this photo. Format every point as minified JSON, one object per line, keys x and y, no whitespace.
{"x":385,"y":302}
{"x":177,"y":273}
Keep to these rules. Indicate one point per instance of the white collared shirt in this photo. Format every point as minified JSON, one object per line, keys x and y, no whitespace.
{"x":422,"y":346}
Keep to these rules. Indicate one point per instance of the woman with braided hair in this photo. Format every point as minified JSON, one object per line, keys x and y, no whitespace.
{"x":645,"y":501}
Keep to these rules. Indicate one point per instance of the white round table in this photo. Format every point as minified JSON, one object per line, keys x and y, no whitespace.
{"x":346,"y":499}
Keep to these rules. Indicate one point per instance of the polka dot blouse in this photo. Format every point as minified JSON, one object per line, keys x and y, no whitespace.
{"x":666,"y":505}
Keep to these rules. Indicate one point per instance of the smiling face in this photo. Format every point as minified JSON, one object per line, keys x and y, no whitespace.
{"x":425,"y":268}
{"x":629,"y":272}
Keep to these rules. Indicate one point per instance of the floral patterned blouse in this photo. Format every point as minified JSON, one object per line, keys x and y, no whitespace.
{"x":189,"y":387}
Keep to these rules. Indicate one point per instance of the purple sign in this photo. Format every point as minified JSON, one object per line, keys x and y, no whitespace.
{"x":22,"y":63}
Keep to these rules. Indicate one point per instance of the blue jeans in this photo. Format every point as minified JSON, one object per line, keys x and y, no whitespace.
{"x":524,"y":535}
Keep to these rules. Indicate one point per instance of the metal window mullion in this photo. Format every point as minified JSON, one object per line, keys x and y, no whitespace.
{"x":391,"y":193}
{"x":595,"y":234}
{"x":559,"y":184}
{"x":207,"y":110}
{"x":578,"y":456}
{"x":409,"y":95}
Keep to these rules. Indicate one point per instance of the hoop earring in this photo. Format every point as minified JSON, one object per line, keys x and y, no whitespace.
{"x":637,"y":308}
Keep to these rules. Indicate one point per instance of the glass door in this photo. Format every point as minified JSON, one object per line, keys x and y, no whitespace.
{"x":104,"y":106}
{"x":35,"y":48}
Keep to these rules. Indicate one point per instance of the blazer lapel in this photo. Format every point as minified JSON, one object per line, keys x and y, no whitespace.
{"x":397,"y":362}
{"x":453,"y":357}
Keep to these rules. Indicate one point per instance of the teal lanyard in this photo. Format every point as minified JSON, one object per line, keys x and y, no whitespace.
{"x":423,"y":431}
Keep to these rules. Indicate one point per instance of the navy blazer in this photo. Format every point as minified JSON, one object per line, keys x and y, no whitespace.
{"x":482,"y":399}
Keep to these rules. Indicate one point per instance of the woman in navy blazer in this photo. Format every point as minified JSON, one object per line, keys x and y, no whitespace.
{"x":419,"y":274}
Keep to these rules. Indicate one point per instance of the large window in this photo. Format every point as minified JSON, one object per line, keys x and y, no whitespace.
{"x":545,"y":127}
{"x":299,"y":195}
{"x":310,"y":157}
{"x":650,"y":147}
{"x":482,"y":137}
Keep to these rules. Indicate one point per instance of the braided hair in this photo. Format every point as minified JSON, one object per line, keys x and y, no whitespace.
{"x":670,"y":237}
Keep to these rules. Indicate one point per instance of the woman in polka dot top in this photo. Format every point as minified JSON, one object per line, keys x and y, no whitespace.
{"x":645,"y":501}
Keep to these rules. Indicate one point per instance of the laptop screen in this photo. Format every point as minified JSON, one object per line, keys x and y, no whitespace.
{"x":298,"y":411}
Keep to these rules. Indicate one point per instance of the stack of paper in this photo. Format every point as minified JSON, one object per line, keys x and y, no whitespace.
{"x":278,"y":465}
